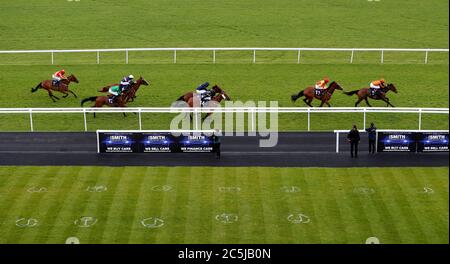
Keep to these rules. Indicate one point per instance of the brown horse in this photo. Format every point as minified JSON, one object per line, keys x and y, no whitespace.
{"x":364,"y":94}
{"x":63,"y":87}
{"x":104,"y":100}
{"x":310,"y":94}
{"x":130,"y":92}
{"x":217,"y":97}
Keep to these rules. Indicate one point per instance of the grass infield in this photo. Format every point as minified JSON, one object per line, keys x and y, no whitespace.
{"x":397,"y":205}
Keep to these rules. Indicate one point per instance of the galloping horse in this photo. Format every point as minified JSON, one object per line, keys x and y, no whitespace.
{"x":364,"y":93}
{"x":130,"y":93}
{"x":63,"y":87}
{"x":218,"y":96}
{"x":310,"y":94}
{"x":104,"y":100}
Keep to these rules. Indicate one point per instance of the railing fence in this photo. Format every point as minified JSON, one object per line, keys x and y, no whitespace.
{"x":251,"y":111}
{"x":214,"y":50}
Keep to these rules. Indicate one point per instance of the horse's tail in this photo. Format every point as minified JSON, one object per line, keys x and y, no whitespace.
{"x":35,"y":88}
{"x":294,"y":97}
{"x":92,"y":99}
{"x":181,"y":98}
{"x":351,"y":93}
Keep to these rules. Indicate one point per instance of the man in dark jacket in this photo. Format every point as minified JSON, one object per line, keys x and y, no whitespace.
{"x":353,"y":138}
{"x":216,"y":143}
{"x":372,"y":131}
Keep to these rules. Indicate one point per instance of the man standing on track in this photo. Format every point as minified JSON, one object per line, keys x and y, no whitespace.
{"x":353,"y":138}
{"x":372,"y":131}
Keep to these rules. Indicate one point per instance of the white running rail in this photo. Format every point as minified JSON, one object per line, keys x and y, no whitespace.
{"x":299,"y":51}
{"x":251,"y":111}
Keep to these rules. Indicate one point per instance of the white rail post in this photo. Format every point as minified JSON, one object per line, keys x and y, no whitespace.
{"x":351,"y":57}
{"x":254,"y":56}
{"x":382,"y":56}
{"x":31,"y":120}
{"x":426,"y":57}
{"x":85,"y":122}
{"x":309,"y":119}
{"x":140,"y":119}
{"x":53,"y":59}
{"x":126,"y":56}
{"x":195,"y":119}
{"x":298,"y":57}
{"x":337,"y":142}
{"x":420,"y":119}
{"x":98,"y":57}
{"x":174,"y":56}
{"x":253,"y":113}
{"x":364,"y":113}
{"x":214,"y":56}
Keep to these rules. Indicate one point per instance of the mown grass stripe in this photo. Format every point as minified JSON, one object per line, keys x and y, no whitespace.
{"x":74,"y":207}
{"x":333,"y":218}
{"x":423,"y":208}
{"x":104,"y":201}
{"x":280,"y":208}
{"x":175,"y":205}
{"x":27,"y":205}
{"x":54,"y":201}
{"x":361,"y":226}
{"x":386,"y":223}
{"x":117,"y":200}
{"x":198,"y":224}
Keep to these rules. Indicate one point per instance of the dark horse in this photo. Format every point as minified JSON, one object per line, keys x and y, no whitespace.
{"x":217,"y":97}
{"x":63,"y":87}
{"x":131,"y":92}
{"x":310,"y":94}
{"x":364,"y":94}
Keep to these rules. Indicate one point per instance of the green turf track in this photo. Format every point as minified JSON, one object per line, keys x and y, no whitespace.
{"x":397,"y":211}
{"x":287,"y":23}
{"x":418,"y":86}
{"x":58,"y":24}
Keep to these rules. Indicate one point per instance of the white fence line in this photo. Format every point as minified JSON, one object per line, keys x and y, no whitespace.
{"x":214,"y":50}
{"x":251,"y":111}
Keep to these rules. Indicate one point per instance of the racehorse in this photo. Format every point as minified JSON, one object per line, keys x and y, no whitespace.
{"x":63,"y":87}
{"x":310,"y":94}
{"x":130,"y":92}
{"x":364,"y":94}
{"x":217,"y":97}
{"x":104,"y":100}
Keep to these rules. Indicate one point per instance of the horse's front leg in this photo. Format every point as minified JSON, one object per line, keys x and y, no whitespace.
{"x":72,"y":93}
{"x":387,"y":102}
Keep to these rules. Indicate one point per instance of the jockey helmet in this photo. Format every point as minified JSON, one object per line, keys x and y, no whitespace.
{"x":131,"y":77}
{"x":382,"y":80}
{"x":63,"y":71}
{"x":326,"y":80}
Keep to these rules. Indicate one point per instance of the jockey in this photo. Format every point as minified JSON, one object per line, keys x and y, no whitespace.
{"x":58,"y":76}
{"x":321,"y":86}
{"x":115,"y":91}
{"x":205,"y":94}
{"x":126,"y":82}
{"x":375,"y":86}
